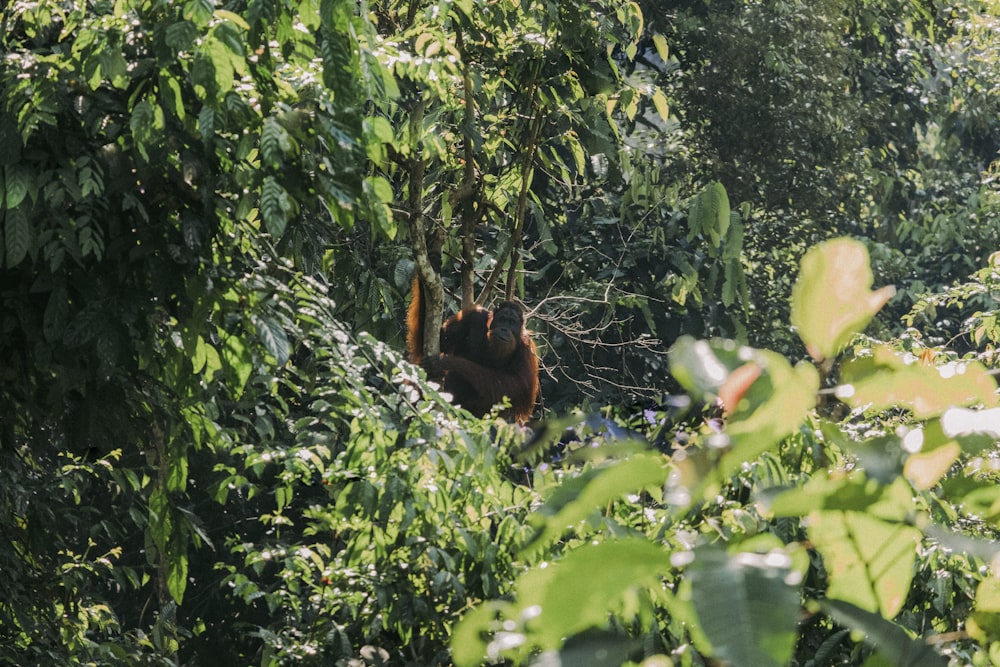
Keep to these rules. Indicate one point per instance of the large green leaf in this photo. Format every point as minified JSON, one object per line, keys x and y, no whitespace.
{"x":870,"y":561}
{"x":791,"y":395}
{"x":709,"y":214}
{"x":579,"y":497}
{"x":892,"y":641}
{"x":886,"y":379}
{"x":854,"y":493}
{"x":470,"y":639}
{"x":765,"y":397}
{"x":578,"y":592}
{"x":832,"y":299}
{"x":747,"y":605}
{"x":984,"y":623}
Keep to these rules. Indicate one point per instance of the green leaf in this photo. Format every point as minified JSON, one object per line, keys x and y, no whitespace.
{"x":198,"y":12}
{"x":160,"y":526}
{"x":206,"y":359}
{"x":892,"y":641}
{"x":240,"y":22}
{"x":380,"y":129}
{"x":984,"y":622}
{"x":177,"y":472}
{"x":566,"y":606}
{"x":892,"y":502}
{"x":275,"y":206}
{"x":701,"y":367}
{"x":578,"y":497}
{"x":274,"y":143}
{"x":147,"y":124}
{"x":832,"y":298}
{"x":17,"y":182}
{"x":747,"y":605}
{"x":17,"y":237}
{"x":223,"y":64}
{"x":378,"y":195}
{"x":887,"y":379}
{"x":237,"y":359}
{"x":663,"y":109}
{"x":660,"y":42}
{"x":766,"y":398}
{"x":870,"y":562}
{"x":783,"y":398}
{"x":177,"y":573}
{"x":181,"y":36}
{"x":274,"y":338}
{"x":170,"y":95}
{"x":470,"y":638}
{"x":709,"y":214}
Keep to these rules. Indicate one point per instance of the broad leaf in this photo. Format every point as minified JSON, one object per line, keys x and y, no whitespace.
{"x":984,"y":623}
{"x":826,"y":493}
{"x":832,"y":299}
{"x":893,"y":642}
{"x":870,"y":562}
{"x":765,"y":397}
{"x":575,"y":593}
{"x":177,"y":574}
{"x":886,"y":379}
{"x":274,"y":338}
{"x":709,"y":214}
{"x":576,"y":498}
{"x":747,"y":605}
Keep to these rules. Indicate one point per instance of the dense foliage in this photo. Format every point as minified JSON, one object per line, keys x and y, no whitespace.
{"x":213,"y":452}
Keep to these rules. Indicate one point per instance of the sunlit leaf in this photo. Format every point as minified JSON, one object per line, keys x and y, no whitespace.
{"x":575,"y":593}
{"x":776,"y":407}
{"x":177,"y":472}
{"x":767,"y":398}
{"x":925,"y":469}
{"x":870,"y":562}
{"x":198,"y":11}
{"x":827,"y":493}
{"x":177,"y":574}
{"x":580,"y":496}
{"x":984,"y":622}
{"x":832,"y":298}
{"x":660,"y":103}
{"x":887,"y":379}
{"x":702,"y":367}
{"x":978,"y":497}
{"x":736,"y":384}
{"x":237,"y":359}
{"x":660,"y":42}
{"x":473,"y":633}
{"x":709,"y":214}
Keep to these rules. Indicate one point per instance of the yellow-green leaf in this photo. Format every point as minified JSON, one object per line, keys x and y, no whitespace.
{"x":832,"y":299}
{"x":887,"y":379}
{"x":870,"y":562}
{"x":660,"y":42}
{"x":660,"y":102}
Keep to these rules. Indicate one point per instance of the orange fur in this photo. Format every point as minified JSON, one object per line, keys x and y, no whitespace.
{"x":485,"y":356}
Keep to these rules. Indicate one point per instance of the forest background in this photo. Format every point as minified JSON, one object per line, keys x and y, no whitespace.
{"x":212,"y":450}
